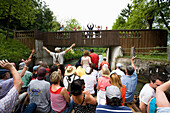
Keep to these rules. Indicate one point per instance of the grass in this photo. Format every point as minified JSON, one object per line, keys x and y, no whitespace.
{"x":151,"y":57}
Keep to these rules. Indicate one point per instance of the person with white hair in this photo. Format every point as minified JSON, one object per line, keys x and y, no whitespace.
{"x":118,"y":70}
{"x":59,"y":56}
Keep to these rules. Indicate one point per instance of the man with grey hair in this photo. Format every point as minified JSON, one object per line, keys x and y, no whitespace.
{"x":130,"y":81}
{"x":59,"y":56}
{"x":118,"y":70}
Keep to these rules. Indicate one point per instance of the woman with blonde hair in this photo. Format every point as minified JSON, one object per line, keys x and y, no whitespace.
{"x":85,"y":59}
{"x":103,"y":82}
{"x":58,"y":95}
{"x":116,"y":81}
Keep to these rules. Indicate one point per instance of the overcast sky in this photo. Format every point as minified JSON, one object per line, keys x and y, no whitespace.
{"x":99,"y":12}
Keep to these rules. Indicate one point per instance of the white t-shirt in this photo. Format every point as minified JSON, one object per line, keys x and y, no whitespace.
{"x":60,"y":57}
{"x":146,"y":94}
{"x":118,"y":72}
{"x":94,"y":73}
{"x":65,"y":82}
{"x":90,"y":81}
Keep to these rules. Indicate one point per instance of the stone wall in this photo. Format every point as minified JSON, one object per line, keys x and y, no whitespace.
{"x":145,"y":67}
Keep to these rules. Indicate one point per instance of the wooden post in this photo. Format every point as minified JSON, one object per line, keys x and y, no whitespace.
{"x":14,"y":33}
{"x":132,"y":51}
{"x":168,"y":53}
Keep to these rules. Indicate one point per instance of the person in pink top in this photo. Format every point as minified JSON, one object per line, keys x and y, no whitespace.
{"x":59,"y":96}
{"x":85,"y":59}
{"x":103,"y":82}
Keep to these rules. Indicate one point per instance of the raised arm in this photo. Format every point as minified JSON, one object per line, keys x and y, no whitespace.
{"x":16,"y":77}
{"x":70,"y":47}
{"x":31,"y":54}
{"x":48,"y":51}
{"x":132,"y":62}
{"x":161,"y":98}
{"x":25,"y":67}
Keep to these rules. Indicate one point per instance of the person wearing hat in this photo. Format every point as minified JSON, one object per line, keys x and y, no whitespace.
{"x":69,"y":77}
{"x":104,"y":62}
{"x":6,"y":83}
{"x":89,"y":80}
{"x":26,"y":78}
{"x":103,"y":82}
{"x":118,"y":70}
{"x":39,"y":91}
{"x":59,"y":56}
{"x":8,"y":100}
{"x":113,"y":102}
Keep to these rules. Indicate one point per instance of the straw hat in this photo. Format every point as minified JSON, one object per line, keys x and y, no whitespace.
{"x":105,"y":72}
{"x":70,"y":70}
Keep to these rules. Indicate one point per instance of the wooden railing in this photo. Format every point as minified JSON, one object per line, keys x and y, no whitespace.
{"x":100,"y":38}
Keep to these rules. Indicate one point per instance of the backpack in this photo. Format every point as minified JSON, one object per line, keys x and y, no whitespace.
{"x":69,"y":85}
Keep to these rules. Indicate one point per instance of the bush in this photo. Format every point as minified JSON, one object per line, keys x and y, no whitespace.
{"x":12,"y":50}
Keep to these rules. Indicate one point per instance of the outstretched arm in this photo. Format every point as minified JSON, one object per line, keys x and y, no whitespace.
{"x":70,"y":47}
{"x":132,"y":62}
{"x":161,"y":98}
{"x":31,"y":54}
{"x":25,"y":67}
{"x":48,"y":51}
{"x":16,"y":77}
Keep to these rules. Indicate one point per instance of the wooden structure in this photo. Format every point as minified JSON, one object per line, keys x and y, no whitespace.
{"x":96,"y":38}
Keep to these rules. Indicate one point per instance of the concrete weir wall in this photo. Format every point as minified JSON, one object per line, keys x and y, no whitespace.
{"x":41,"y":55}
{"x":112,"y":54}
{"x":145,"y":67}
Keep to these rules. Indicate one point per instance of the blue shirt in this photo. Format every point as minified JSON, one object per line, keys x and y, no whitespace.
{"x":152,"y":105}
{"x":130,"y":82}
{"x":113,"y":109}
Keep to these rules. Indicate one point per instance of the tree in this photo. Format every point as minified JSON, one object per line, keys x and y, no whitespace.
{"x":21,"y":10}
{"x":44,"y":21}
{"x":150,"y":10}
{"x":144,"y":14}
{"x":119,"y":24}
{"x":127,"y":11}
{"x":72,"y":25}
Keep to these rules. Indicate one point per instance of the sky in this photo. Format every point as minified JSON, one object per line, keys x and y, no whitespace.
{"x":99,"y":12}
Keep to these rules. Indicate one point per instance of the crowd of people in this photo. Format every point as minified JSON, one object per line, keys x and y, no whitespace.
{"x":87,"y":87}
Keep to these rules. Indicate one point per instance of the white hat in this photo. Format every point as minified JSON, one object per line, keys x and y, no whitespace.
{"x":57,"y":48}
{"x":113,"y":91}
{"x":118,"y":65}
{"x":87,"y":70}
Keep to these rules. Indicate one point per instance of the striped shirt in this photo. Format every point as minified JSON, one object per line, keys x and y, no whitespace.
{"x":113,"y":109}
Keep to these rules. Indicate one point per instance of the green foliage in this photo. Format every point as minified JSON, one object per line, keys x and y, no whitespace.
{"x":45,"y":20}
{"x":20,"y":11}
{"x":143,"y":14}
{"x":78,"y":52}
{"x":119,"y":24}
{"x":72,"y":24}
{"x":12,"y":49}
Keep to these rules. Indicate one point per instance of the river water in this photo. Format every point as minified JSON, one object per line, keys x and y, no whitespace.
{"x":140,"y":77}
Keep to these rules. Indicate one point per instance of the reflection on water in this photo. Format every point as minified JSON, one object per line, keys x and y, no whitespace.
{"x":139,"y":86}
